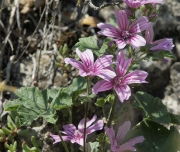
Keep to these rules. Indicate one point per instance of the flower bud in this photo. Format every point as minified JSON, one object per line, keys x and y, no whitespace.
{"x":2,"y":136}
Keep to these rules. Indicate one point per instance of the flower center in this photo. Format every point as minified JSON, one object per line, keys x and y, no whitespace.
{"x":125,"y":35}
{"x":78,"y":134}
{"x":117,"y":81}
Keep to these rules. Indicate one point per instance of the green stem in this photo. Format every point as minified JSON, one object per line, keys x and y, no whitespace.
{"x":85,"y":115}
{"x":130,"y":51}
{"x":112,"y":112}
{"x":59,"y":133}
{"x":104,"y":115}
{"x":70,"y":120}
{"x":104,"y":145}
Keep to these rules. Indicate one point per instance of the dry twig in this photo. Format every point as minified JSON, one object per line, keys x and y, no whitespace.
{"x":89,"y":2}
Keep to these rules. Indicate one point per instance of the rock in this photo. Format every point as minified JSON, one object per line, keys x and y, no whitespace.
{"x":172,"y":96}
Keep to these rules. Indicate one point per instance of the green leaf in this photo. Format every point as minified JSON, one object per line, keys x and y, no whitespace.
{"x":85,"y":98}
{"x":169,"y":54}
{"x":161,"y":54}
{"x":152,"y":107}
{"x":100,"y":102}
{"x":175,"y":119}
{"x":110,"y":98}
{"x":158,"y":55}
{"x":33,"y":104}
{"x":52,"y":92}
{"x":92,"y":147}
{"x":77,"y":84}
{"x":13,"y":105}
{"x":90,"y":43}
{"x":61,"y":100}
{"x":158,"y":138}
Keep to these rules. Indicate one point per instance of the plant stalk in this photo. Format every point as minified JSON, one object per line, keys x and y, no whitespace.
{"x":59,"y":133}
{"x":70,"y":121}
{"x":85,"y":115}
{"x":112,"y":112}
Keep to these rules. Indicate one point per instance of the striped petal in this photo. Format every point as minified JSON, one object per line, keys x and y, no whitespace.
{"x":122,"y":131}
{"x":103,"y":62}
{"x":149,"y":34}
{"x":75,"y":63}
{"x":122,"y":65}
{"x":111,"y":135}
{"x":96,"y":126}
{"x":139,"y":25}
{"x":88,"y":123}
{"x":120,"y":43}
{"x":108,"y":30}
{"x":86,"y":56}
{"x":123,"y":92}
{"x":102,"y":86}
{"x":136,"y":41}
{"x":105,"y":74}
{"x":57,"y":138}
{"x":137,"y":76}
{"x":129,"y":145}
{"x":122,"y":19}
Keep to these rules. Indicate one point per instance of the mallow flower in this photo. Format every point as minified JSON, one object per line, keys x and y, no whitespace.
{"x":88,"y":68}
{"x":77,"y":135}
{"x":122,"y":80}
{"x":162,"y":44}
{"x":115,"y":140}
{"x":127,"y":31}
{"x":138,"y":3}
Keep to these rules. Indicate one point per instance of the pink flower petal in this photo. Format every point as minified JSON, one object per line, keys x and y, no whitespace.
{"x":137,"y":76}
{"x":139,"y":25}
{"x":75,"y":63}
{"x":86,"y":56}
{"x":103,"y":62}
{"x":120,"y":43}
{"x":111,"y":135}
{"x":137,"y":140}
{"x":88,"y":123}
{"x":133,"y":3}
{"x":122,"y":19}
{"x":136,"y":41}
{"x":149,"y":34}
{"x":122,"y":65}
{"x":80,"y":142}
{"x":129,"y":145}
{"x":163,"y":44}
{"x":122,"y":131}
{"x":108,"y":30}
{"x":57,"y":138}
{"x":105,"y":74}
{"x":125,"y":147}
{"x":96,"y":126}
{"x":69,"y":127}
{"x":136,"y":4}
{"x":152,"y":1}
{"x":123,"y":92}
{"x":102,"y":86}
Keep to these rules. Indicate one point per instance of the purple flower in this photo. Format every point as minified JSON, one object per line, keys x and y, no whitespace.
{"x":77,"y":135}
{"x":88,"y":68}
{"x":127,"y":31}
{"x":121,"y":81}
{"x":162,"y":44}
{"x":116,"y":140}
{"x":138,"y":3}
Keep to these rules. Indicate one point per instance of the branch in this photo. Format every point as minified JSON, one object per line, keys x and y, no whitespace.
{"x":89,"y":2}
